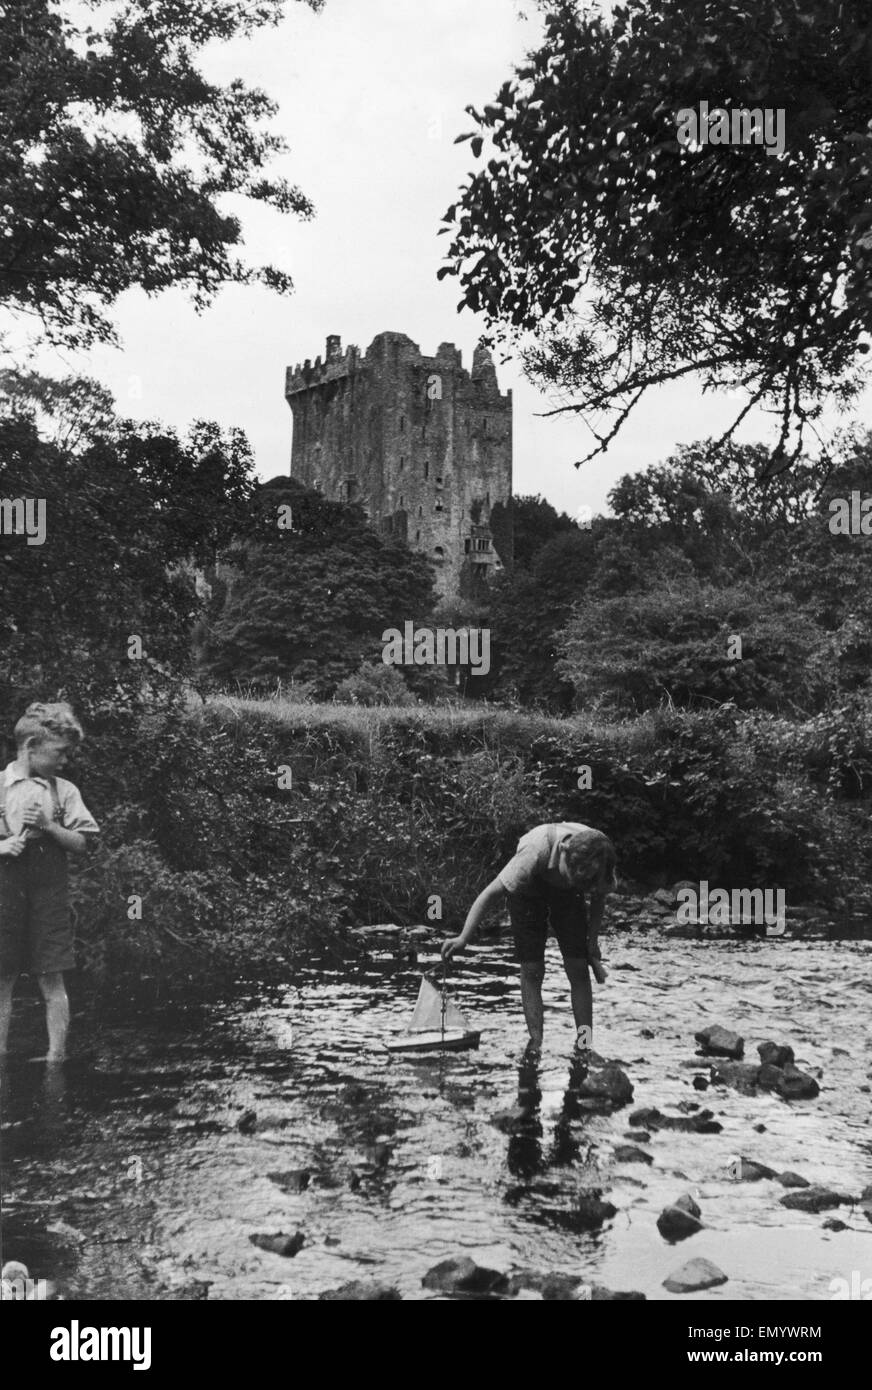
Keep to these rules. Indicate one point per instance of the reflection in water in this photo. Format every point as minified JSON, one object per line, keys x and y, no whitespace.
{"x":126,"y":1175}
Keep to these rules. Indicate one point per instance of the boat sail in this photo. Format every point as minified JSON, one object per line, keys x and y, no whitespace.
{"x":431,"y":1029}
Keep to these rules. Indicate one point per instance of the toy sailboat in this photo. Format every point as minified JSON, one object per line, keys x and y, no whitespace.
{"x":436,"y":1025}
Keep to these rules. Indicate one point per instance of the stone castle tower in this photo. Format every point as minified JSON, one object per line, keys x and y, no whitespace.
{"x":424,"y":446}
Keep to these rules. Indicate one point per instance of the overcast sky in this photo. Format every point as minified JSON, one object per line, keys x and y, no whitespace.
{"x":371,"y":96}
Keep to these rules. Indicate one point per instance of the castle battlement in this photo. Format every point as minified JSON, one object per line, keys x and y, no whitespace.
{"x":422,"y":444}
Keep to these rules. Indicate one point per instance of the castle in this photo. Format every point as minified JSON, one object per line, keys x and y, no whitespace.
{"x":423,"y":445}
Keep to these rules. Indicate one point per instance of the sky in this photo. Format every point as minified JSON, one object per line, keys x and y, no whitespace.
{"x":371,"y":96}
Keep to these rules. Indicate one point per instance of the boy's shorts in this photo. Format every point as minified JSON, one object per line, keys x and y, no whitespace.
{"x":36,"y":935}
{"x":562,"y":912}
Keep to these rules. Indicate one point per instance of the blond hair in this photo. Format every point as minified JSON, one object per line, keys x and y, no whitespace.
{"x":45,"y":721}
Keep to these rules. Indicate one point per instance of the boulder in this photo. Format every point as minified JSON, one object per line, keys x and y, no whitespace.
{"x":664,"y":897}
{"x":797,"y":1085}
{"x":607,"y":1083}
{"x":833,"y":1223}
{"x":511,"y":1120}
{"x":814,"y":1198}
{"x":294,"y":1180}
{"x":789,"y":1179}
{"x":464,"y":1276}
{"x":651,"y":1118}
{"x":565,"y":1288}
{"x":591,"y":1211}
{"x":769,"y":1076}
{"x":747,"y":1170}
{"x":675,"y":1223}
{"x":776,"y":1054}
{"x":720,"y":1041}
{"x":865,"y":1203}
{"x":741,"y":1076}
{"x":695,"y":1275}
{"x":247,"y":1122}
{"x":359,"y":1291}
{"x":280,"y":1244}
{"x":700,"y":1083}
{"x":630,"y":1153}
{"x":686,"y":1203}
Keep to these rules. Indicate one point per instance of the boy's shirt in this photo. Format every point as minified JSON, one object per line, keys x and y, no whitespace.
{"x":20,"y":791}
{"x":537,"y":859}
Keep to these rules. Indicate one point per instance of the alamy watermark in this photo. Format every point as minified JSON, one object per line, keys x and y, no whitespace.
{"x":23,"y":516}
{"x":440,"y":646}
{"x":737,"y":125}
{"x":722,"y":906}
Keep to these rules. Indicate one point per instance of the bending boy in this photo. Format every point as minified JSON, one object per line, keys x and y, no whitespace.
{"x":42,"y":820}
{"x":553,"y":868}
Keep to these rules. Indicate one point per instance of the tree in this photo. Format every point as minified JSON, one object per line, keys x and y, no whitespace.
{"x":117,"y":153}
{"x":636,"y":259}
{"x":100,"y":608}
{"x":315,"y":590}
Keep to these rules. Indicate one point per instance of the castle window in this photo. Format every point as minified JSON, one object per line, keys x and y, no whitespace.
{"x":401,"y":499}
{"x":439,"y":554}
{"x":402,"y":424}
{"x":402,"y":463}
{"x":439,"y":506}
{"x":420,"y":511}
{"x":426,"y":468}
{"x":438,"y":482}
{"x":466,"y":544}
{"x":417,"y":535}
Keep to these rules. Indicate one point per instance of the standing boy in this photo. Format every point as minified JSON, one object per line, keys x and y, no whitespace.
{"x":553,"y":868}
{"x":42,"y":820}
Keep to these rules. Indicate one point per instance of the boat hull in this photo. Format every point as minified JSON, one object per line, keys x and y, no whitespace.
{"x":452,"y":1040}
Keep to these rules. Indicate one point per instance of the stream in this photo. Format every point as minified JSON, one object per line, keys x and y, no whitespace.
{"x":125,"y":1175}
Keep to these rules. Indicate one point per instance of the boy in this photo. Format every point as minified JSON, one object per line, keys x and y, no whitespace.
{"x":42,"y":820}
{"x":553,"y":868}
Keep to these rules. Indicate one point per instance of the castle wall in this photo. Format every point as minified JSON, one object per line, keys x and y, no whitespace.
{"x":423,"y":445}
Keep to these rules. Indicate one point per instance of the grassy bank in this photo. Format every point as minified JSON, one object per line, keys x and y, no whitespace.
{"x":247,"y":833}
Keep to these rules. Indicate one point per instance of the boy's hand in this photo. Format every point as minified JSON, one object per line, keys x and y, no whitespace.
{"x":13,"y":846}
{"x":600,"y":974}
{"x":450,"y":948}
{"x":34,"y":818}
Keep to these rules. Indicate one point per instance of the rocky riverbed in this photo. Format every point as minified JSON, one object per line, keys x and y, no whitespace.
{"x":271,"y":1148}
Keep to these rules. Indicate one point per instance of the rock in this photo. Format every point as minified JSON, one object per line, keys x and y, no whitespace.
{"x":281,"y":1244}
{"x":247,"y":1122}
{"x":747,"y":1170}
{"x":814,"y":1198}
{"x":359,"y":1291}
{"x":775,"y":1054}
{"x":833,"y":1223}
{"x":761,"y":1129}
{"x":294,"y":1180}
{"x":680,"y":932}
{"x":464,"y":1276}
{"x":700,"y":1083}
{"x":607,"y":1083}
{"x":686,"y":1203}
{"x":629,"y":1153}
{"x":741,"y":1076}
{"x":565,"y":1288}
{"x":675,"y":1223}
{"x":769,"y":1076}
{"x":720,"y":1041}
{"x":866,"y":1202}
{"x":665,"y":897}
{"x":695,"y":1275}
{"x":511,"y":1120}
{"x":788,"y":1179}
{"x":639,"y":1136}
{"x":647,"y":1033}
{"x":651,"y":1118}
{"x":797,"y":1085}
{"x":590,"y":1211}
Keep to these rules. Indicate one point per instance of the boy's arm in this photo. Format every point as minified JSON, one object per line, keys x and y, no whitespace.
{"x":486,"y":898}
{"x":73,"y":841}
{"x":594,"y":923}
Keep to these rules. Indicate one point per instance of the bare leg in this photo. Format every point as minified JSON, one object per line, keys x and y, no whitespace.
{"x":57,"y":1014}
{"x":582,"y":998}
{"x":532,"y":975}
{"x":7,"y":985}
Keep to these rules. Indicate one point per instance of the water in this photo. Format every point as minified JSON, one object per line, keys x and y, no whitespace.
{"x":127,"y":1177}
